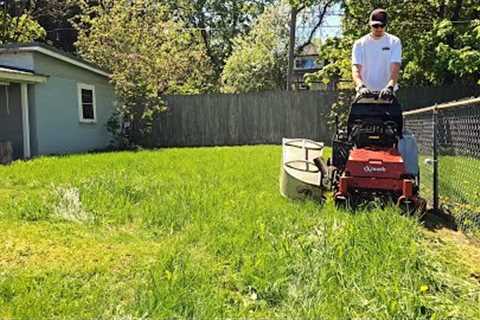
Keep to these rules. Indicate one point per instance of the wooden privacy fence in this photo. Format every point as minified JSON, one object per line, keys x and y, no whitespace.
{"x":256,"y":118}
{"x":266,"y":117}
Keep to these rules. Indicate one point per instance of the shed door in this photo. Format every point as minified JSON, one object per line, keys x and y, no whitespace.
{"x":11,"y":118}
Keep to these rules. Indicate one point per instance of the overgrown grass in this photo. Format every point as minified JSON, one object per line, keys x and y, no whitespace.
{"x":203,"y":233}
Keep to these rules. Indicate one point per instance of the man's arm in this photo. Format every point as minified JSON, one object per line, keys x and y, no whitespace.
{"x":357,"y":75}
{"x":357,"y":61}
{"x":395,"y":63}
{"x":360,"y":87}
{"x":395,"y":71}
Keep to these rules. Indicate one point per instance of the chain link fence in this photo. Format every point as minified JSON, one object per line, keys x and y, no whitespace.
{"x":448,"y":138}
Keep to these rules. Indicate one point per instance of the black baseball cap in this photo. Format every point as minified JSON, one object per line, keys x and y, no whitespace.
{"x":378,"y":17}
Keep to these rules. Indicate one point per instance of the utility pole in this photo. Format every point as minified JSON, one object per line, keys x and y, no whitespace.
{"x":291,"y":47}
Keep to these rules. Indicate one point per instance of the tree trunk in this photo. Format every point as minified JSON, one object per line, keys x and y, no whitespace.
{"x":291,"y":47}
{"x":6,"y":152}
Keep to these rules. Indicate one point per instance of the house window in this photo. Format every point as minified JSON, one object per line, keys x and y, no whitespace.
{"x":86,"y":103}
{"x":306,"y":63}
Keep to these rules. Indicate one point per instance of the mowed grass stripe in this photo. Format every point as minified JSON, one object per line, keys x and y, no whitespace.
{"x":203,"y":233}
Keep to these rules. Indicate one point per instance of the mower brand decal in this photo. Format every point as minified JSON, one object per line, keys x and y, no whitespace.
{"x":370,"y":169}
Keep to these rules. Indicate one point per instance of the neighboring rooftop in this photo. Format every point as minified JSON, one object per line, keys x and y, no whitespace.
{"x":309,"y":50}
{"x":55,"y":53}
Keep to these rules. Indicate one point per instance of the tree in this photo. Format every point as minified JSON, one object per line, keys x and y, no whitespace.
{"x":17,"y":23}
{"x":219,"y":22}
{"x":54,"y":16}
{"x":148,"y":54}
{"x":42,"y":20}
{"x":440,"y":40}
{"x":254,"y":60}
{"x":258,"y":61}
{"x":296,"y":7}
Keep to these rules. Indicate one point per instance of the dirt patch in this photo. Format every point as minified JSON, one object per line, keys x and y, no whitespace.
{"x":441,"y":229}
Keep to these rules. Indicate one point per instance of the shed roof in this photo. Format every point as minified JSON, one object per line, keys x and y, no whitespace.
{"x":20,"y":75}
{"x":54,"y":53}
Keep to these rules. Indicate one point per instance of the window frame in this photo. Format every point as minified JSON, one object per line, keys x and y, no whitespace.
{"x":304,"y":60}
{"x":84,"y":86}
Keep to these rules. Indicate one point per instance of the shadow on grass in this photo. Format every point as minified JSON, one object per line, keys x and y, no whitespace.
{"x":436,"y":220}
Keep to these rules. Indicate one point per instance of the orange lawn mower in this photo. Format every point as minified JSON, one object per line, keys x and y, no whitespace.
{"x":373,"y":161}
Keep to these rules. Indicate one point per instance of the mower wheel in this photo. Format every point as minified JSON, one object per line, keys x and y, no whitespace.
{"x":343,"y":203}
{"x":408,"y":206}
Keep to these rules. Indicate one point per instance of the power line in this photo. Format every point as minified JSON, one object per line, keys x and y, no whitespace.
{"x":321,"y":27}
{"x":300,"y":27}
{"x":406,"y":22}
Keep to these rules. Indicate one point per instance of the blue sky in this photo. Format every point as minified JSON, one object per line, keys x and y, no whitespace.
{"x":331,"y":27}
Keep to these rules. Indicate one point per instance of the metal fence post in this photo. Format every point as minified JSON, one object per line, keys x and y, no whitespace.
{"x":435,"y":159}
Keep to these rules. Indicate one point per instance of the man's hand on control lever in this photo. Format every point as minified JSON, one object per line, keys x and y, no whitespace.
{"x":363,"y":91}
{"x":387,"y":93}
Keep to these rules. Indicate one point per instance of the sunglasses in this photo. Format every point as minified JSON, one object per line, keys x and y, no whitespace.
{"x":376,"y":26}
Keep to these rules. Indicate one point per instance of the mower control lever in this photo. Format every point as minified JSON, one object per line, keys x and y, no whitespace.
{"x":372,"y":97}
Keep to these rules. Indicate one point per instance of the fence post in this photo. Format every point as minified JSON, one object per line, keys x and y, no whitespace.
{"x":435,"y":159}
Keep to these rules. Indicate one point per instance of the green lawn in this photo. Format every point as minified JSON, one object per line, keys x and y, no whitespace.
{"x":203,"y":234}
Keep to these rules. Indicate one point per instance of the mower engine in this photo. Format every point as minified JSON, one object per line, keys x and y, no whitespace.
{"x":367,"y":164}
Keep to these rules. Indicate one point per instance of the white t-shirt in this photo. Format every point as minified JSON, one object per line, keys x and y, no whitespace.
{"x":376,"y":57}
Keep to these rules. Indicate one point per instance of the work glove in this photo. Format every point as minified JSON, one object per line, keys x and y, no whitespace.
{"x":363,"y":91}
{"x":387,"y":93}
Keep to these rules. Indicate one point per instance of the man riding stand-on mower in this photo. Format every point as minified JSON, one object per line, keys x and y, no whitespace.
{"x":373,"y":158}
